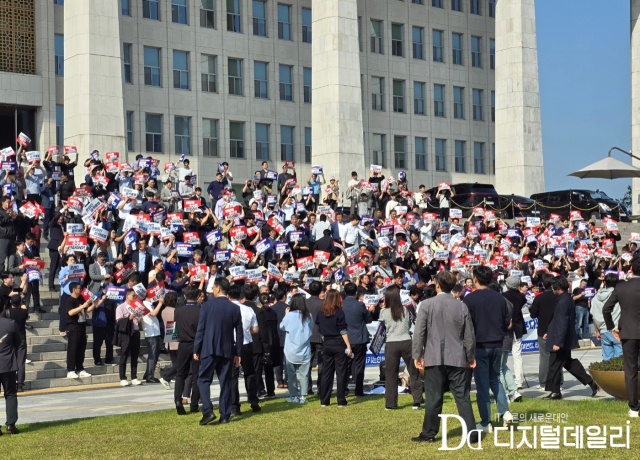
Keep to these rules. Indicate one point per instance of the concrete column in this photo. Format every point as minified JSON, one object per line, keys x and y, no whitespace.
{"x":93,"y":109}
{"x":336,"y":113}
{"x":635,"y":99}
{"x":519,"y":159}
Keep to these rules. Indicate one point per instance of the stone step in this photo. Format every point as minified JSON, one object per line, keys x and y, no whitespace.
{"x":65,"y":382}
{"x":61,"y":372}
{"x":62,"y":363}
{"x":62,"y":355}
{"x":44,"y":339}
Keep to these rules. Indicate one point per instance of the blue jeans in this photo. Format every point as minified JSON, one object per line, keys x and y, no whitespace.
{"x":582,"y":322}
{"x":294,"y":381}
{"x":487,"y":375}
{"x":506,"y":376}
{"x":154,"y":353}
{"x":611,"y":348}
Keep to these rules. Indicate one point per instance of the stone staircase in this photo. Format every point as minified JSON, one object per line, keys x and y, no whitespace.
{"x":47,"y":350}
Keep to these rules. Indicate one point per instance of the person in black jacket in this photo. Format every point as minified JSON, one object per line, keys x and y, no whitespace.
{"x":560,"y":340}
{"x":280,"y":307}
{"x":56,"y":237}
{"x":269,"y":334}
{"x":357,"y":317}
{"x":67,"y":186}
{"x":186,"y":319}
{"x":7,"y":230}
{"x":332,"y":324}
{"x":313,"y":305}
{"x":518,"y":328}
{"x":18,"y":312}
{"x":9,"y":344}
{"x":542,"y":308}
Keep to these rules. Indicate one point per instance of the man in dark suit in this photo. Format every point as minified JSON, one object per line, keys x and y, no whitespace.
{"x":314,"y":303}
{"x":560,"y":340}
{"x":186,"y":319}
{"x":217,"y":350}
{"x":142,"y":261}
{"x":27,"y":250}
{"x":280,"y":307}
{"x":9,"y":344}
{"x":444,"y":319}
{"x":357,"y":317}
{"x":627,"y":330}
{"x":542,"y":308}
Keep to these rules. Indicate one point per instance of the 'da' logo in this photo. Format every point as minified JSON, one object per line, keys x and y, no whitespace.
{"x":466,"y":435}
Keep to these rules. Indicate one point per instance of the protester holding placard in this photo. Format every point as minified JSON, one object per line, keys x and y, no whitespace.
{"x":77,"y":309}
{"x":128,"y":338}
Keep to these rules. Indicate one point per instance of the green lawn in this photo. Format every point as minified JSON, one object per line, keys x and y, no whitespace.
{"x":362,"y":430}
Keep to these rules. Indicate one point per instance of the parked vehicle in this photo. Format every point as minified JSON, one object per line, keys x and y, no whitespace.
{"x":521,"y":207}
{"x":467,"y":196}
{"x":592,"y":205}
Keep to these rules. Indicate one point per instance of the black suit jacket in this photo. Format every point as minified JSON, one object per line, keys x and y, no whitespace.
{"x":628,"y":295}
{"x":148,"y":266}
{"x":517,"y":320}
{"x":9,"y":345}
{"x":357,"y":317}
{"x":562,"y":329}
{"x":32,"y":252}
{"x":313,"y":305}
{"x":542,"y":308}
{"x":219,"y":318}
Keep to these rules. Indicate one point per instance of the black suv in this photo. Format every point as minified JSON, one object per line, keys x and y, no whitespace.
{"x":472,"y":195}
{"x":592,"y":205}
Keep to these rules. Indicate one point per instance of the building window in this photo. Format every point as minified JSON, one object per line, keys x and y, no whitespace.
{"x":151,"y":9}
{"x":399,"y":151}
{"x":60,"y":125}
{"x":417,"y":34}
{"x":492,"y":8}
{"x":460,"y":156}
{"x":377,"y":93}
{"x":456,"y":44}
{"x":236,"y":139}
{"x":441,"y":155}
{"x":58,"y":41}
{"x":475,"y":7}
{"x":493,"y":159}
{"x":207,"y":14}
{"x":376,"y":37}
{"x":306,"y":27}
{"x":436,"y":3}
{"x":126,"y":9}
{"x":179,"y":11}
{"x":130,"y":131}
{"x":235,"y":76}
{"x":493,"y":106}
{"x":286,"y":82}
{"x":421,"y":153}
{"x":438,"y":100}
{"x":417,"y":2}
{"x":398,"y":96}
{"x":492,"y":54}
{"x":152,"y":66}
{"x":153,"y":129}
{"x":233,"y":16}
{"x":379,"y":157}
{"x":306,"y":81}
{"x":477,"y":104}
{"x":437,"y":45}
{"x":360,"y":33}
{"x":418,"y":98}
{"x":284,"y":22}
{"x":286,"y":143}
{"x":126,"y":52}
{"x":180,"y":70}
{"x":208,"y":66}
{"x":476,"y":52}
{"x":307,"y":145}
{"x":182,"y":136}
{"x":61,"y":2}
{"x":458,"y":102}
{"x":209,"y":137}
{"x":397,"y":47}
{"x":456,"y":5}
{"x":478,"y":157}
{"x":259,"y":18}
{"x":262,"y":141}
{"x":261,"y":82}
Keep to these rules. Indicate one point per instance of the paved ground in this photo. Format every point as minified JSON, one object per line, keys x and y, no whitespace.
{"x":111,"y":401}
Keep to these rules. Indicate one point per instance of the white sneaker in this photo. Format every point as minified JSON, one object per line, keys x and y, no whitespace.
{"x":484,"y":429}
{"x":84,"y":373}
{"x":124,"y":383}
{"x":165,"y":384}
{"x":72,"y":375}
{"x":302,"y":400}
{"x":633,"y":413}
{"x":507,"y":418}
{"x":538,"y":387}
{"x":28,"y":361}
{"x":136,"y":382}
{"x":516,"y":397}
{"x":293,"y":399}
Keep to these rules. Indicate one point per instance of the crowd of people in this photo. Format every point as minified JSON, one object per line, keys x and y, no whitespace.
{"x":292,"y":276}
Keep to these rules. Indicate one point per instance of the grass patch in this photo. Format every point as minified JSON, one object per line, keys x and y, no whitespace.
{"x":362,"y":430}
